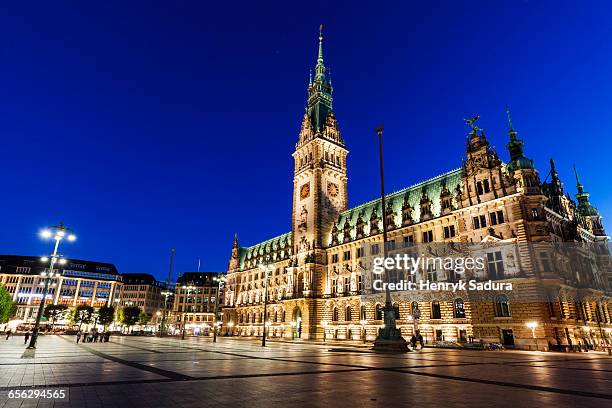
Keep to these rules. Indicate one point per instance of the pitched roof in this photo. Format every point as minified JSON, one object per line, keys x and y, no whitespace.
{"x":278,"y":248}
{"x":431,"y":188}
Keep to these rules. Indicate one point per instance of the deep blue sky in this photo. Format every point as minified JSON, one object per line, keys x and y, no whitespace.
{"x":156,"y":125}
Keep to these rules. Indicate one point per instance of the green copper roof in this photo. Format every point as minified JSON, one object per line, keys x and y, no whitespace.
{"x":277,"y":248}
{"x":432,"y":189}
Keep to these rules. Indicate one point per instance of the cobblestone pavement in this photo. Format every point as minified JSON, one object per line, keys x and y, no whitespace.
{"x":153,"y":372}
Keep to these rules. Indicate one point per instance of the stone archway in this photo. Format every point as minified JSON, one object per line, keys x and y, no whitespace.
{"x":296,"y":322}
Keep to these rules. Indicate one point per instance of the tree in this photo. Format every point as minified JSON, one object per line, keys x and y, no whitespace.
{"x":82,"y":314}
{"x":55,"y":312}
{"x":106,"y":315}
{"x":144,"y":318}
{"x":129,"y":315}
{"x":7,"y":306}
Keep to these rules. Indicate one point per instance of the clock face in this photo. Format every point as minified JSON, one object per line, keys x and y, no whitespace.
{"x":305,"y":191}
{"x":332,"y":189}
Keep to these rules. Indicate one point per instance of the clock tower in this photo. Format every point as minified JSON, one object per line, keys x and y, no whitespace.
{"x":319,"y":182}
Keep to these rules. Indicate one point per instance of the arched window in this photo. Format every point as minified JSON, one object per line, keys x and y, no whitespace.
{"x":362,"y":314}
{"x":502,"y":306}
{"x":283,"y":316}
{"x":435,"y":310}
{"x":248,"y":318}
{"x":396,"y":311}
{"x":414,"y":309}
{"x":260,"y":317}
{"x":459,"y":309}
{"x":348,"y":314}
{"x":379,"y":313}
{"x":276,"y":316}
{"x":335,"y":315}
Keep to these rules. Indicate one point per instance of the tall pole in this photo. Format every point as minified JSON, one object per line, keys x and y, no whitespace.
{"x":389,"y":337}
{"x":219,"y":281}
{"x":43,"y":301}
{"x":379,"y":131}
{"x":263,"y":338}
{"x":166,"y":295}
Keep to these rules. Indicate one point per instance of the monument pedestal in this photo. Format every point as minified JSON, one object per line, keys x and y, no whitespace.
{"x":389,"y":338}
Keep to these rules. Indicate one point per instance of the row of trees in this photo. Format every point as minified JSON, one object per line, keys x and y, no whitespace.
{"x":105,"y":315}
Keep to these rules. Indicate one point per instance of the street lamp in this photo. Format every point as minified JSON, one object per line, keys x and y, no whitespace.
{"x":162,"y":328}
{"x":363,"y":332}
{"x":189,"y":288}
{"x":389,"y":338}
{"x":166,"y":294}
{"x":58,"y":233}
{"x":533,"y":326}
{"x":264,"y":267}
{"x":324,"y":323}
{"x":220,"y":282}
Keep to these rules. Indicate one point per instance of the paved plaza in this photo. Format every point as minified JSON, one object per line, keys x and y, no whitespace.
{"x":154,"y":372}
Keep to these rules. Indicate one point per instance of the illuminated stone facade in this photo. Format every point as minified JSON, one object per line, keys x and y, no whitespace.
{"x":315,"y":284}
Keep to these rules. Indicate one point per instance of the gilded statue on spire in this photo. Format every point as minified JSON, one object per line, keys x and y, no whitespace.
{"x":471,"y":122}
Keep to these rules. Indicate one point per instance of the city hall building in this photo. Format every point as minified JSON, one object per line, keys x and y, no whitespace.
{"x":316,"y":284}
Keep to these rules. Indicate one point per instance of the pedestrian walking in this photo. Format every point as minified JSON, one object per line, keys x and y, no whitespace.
{"x":8,"y":334}
{"x":78,"y":336}
{"x":420,"y":339}
{"x":26,"y":337}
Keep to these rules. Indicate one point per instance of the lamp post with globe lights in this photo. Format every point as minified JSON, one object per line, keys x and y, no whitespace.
{"x":57,"y":233}
{"x":266,"y":270}
{"x":324,"y":323}
{"x":533,"y":326}
{"x":389,"y":336}
{"x":220,"y":282}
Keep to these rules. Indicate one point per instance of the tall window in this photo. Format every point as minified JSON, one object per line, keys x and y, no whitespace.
{"x":379,"y":314}
{"x":502,"y":306}
{"x":335,"y":314}
{"x":435,"y":310}
{"x":347,"y":284}
{"x":459,"y":309}
{"x":428,"y":236}
{"x":396,"y":311}
{"x":362,"y":314}
{"x":375,"y":249}
{"x":348,"y":314}
{"x":449,"y":231}
{"x":497,"y":217}
{"x":414,"y":307}
{"x":432,"y":274}
{"x":495,"y":264}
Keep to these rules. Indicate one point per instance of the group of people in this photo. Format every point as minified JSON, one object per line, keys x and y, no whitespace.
{"x":93,"y":337}
{"x":26,"y":335}
{"x":417,"y":338}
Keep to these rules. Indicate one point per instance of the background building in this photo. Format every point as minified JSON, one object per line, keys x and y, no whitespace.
{"x":144,"y":291}
{"x":81,"y":283}
{"x":195,"y":300}
{"x":316,"y":268}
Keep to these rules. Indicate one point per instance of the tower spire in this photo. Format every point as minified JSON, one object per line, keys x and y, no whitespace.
{"x":320,"y":68}
{"x":579,"y":185}
{"x":515,"y":147}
